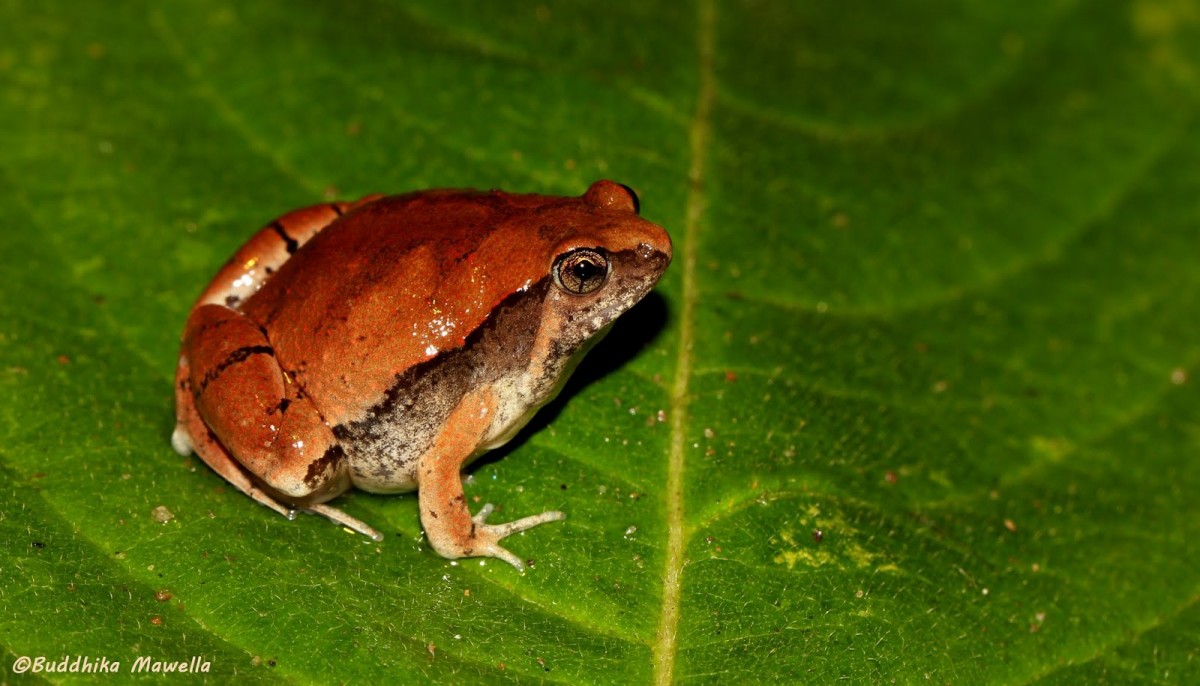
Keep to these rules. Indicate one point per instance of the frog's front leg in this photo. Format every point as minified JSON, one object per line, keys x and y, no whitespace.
{"x":236,"y":402}
{"x":451,"y":530}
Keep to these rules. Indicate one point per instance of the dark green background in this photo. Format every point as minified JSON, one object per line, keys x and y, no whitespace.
{"x":935,"y":294}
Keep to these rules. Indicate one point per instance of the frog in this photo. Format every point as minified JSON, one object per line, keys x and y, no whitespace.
{"x":384,"y":344}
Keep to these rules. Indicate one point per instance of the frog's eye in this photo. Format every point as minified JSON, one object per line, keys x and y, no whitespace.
{"x":581,"y":271}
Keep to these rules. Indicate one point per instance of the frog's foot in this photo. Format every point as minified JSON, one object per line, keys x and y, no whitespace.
{"x":338,"y":517}
{"x":215,"y":456}
{"x":490,"y":534}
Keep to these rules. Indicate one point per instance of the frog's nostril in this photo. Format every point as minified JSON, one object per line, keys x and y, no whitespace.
{"x":653,"y":256}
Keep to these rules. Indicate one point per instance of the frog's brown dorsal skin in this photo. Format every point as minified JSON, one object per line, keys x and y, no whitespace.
{"x":395,"y":339}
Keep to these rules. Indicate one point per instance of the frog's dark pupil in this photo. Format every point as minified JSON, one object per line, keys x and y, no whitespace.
{"x":585,"y":270}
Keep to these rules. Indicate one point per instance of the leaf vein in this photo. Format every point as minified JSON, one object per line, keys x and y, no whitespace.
{"x":699,"y":132}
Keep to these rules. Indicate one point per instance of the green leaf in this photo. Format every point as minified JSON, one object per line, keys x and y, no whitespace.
{"x":917,"y":401}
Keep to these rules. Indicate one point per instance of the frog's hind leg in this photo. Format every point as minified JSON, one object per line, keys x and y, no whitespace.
{"x":266,"y":251}
{"x":245,"y":416}
{"x":192,"y":435}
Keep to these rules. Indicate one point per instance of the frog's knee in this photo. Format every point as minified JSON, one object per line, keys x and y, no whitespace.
{"x":309,"y":477}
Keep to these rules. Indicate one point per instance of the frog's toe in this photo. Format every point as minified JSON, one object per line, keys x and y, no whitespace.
{"x":181,"y":441}
{"x":341,"y":518}
{"x":493,"y":533}
{"x":480,"y":517}
{"x":516,"y":526}
{"x":501,"y":553}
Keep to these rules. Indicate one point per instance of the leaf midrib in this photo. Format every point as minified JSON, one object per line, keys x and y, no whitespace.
{"x":698,"y":136}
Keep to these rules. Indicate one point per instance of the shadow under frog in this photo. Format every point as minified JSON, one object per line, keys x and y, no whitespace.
{"x":634,"y":331}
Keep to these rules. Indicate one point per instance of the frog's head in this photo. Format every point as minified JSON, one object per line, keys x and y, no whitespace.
{"x":606,"y":262}
{"x":589,"y":260}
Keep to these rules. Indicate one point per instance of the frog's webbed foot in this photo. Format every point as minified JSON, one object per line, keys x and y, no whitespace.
{"x":491,"y":534}
{"x":338,"y":517}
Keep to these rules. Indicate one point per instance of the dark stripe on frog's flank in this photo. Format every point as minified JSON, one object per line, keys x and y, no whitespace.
{"x":329,"y":461}
{"x":289,"y":242}
{"x":500,"y":345}
{"x":236,"y":357}
{"x":337,"y":209}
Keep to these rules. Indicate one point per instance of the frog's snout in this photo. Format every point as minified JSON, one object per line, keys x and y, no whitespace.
{"x":655,"y":256}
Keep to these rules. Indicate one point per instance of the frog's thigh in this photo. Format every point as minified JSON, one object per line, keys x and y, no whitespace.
{"x":191,"y":433}
{"x":266,"y":251}
{"x":266,"y":422}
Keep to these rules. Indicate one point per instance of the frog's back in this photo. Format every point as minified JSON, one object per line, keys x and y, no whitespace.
{"x":396,"y":283}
